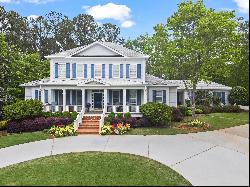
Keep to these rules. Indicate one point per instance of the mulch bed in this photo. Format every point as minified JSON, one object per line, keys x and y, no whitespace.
{"x":188,"y":128}
{"x":3,"y":133}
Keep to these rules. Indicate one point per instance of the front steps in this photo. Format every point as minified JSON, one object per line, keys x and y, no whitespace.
{"x":89,"y":125}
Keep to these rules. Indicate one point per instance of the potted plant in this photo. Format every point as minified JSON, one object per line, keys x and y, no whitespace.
{"x":88,"y":105}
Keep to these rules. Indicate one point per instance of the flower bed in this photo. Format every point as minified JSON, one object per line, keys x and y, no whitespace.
{"x":194,"y":126}
{"x":62,"y":130}
{"x":117,"y":129}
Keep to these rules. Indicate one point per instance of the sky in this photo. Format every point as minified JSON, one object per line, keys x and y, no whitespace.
{"x":134,"y":17}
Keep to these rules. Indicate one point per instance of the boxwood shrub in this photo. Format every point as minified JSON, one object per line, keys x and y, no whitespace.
{"x":23,"y":109}
{"x":157,"y":113}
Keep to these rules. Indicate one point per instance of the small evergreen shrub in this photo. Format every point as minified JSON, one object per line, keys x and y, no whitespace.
{"x":127,"y":115}
{"x":239,"y":96}
{"x":120,"y":115}
{"x":157,"y":113}
{"x":198,"y":111}
{"x":3,"y":125}
{"x":71,"y":115}
{"x":23,"y":109}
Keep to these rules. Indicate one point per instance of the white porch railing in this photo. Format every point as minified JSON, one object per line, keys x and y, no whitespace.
{"x":101,"y":123}
{"x":78,"y":119}
{"x":133,"y":108}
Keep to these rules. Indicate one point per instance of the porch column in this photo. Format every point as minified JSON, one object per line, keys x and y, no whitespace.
{"x":124,"y":100}
{"x":83,"y":99}
{"x":64,"y":99}
{"x":42,"y":95}
{"x":145,"y":96}
{"x":105,"y":100}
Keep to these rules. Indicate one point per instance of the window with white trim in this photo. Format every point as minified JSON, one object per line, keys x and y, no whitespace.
{"x":61,"y":70}
{"x":132,"y":71}
{"x":98,"y":71}
{"x":79,"y":71}
{"x":159,"y":96}
{"x":132,"y":97}
{"x":116,"y":71}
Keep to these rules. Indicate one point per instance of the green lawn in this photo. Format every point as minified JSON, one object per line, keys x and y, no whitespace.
{"x":91,"y":168}
{"x":216,"y":120}
{"x":15,"y":139}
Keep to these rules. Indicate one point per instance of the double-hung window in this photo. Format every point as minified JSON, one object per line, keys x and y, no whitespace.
{"x":61,"y":71}
{"x":159,"y":96}
{"x":98,"y":71}
{"x":116,"y":71}
{"x":79,"y":72}
{"x":132,"y":97}
{"x":132,"y":71}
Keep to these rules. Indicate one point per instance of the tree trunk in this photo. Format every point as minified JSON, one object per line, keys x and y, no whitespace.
{"x":193,"y":100}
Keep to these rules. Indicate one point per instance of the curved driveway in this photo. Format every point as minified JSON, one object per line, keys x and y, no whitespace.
{"x":208,"y":158}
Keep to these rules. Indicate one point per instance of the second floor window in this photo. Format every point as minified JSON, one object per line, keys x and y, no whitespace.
{"x":116,"y":70}
{"x":98,"y":71}
{"x":79,"y":70}
{"x":61,"y":70}
{"x":132,"y":71}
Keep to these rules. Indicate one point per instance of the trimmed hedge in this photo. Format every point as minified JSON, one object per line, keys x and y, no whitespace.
{"x":23,"y":109}
{"x":226,"y":109}
{"x":71,"y":115}
{"x":134,"y":122}
{"x":157,"y":113}
{"x":36,"y":124}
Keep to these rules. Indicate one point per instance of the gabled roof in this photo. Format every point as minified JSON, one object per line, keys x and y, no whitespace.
{"x":119,"y":49}
{"x":153,"y":80}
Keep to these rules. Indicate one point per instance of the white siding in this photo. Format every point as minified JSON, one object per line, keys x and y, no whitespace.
{"x":150,"y":93}
{"x":28,"y":93}
{"x":97,"y":50}
{"x":173,"y":96}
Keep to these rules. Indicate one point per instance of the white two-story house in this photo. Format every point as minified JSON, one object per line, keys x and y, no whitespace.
{"x":103,"y":77}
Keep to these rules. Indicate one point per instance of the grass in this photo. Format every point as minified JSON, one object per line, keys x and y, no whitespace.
{"x":91,"y":169}
{"x":15,"y":139}
{"x":216,"y":120}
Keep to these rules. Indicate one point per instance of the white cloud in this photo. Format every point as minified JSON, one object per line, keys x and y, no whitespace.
{"x":127,"y":24}
{"x":243,"y":5}
{"x":120,"y":13}
{"x":10,"y":1}
{"x":30,"y":17}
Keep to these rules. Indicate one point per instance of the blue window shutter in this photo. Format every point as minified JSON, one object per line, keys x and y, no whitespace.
{"x":154,"y":95}
{"x":74,"y":70}
{"x":121,"y":70}
{"x":56,"y":70}
{"x":92,"y":71}
{"x":110,"y":70}
{"x":138,"y":71}
{"x":127,"y":71}
{"x":67,"y":70}
{"x":164,"y":96}
{"x":138,"y":97}
{"x":36,"y":94}
{"x":223,"y":99}
{"x":110,"y":97}
{"x":103,"y":71}
{"x":85,"y":71}
{"x":46,"y":96}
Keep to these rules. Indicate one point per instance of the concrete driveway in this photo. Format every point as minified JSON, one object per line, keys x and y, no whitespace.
{"x":209,"y":158}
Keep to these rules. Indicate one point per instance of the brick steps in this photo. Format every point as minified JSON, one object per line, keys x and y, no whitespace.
{"x":89,"y":125}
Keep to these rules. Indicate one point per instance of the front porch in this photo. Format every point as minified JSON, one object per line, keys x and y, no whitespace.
{"x":95,"y":100}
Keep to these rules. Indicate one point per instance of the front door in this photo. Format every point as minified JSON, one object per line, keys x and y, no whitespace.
{"x":98,"y":100}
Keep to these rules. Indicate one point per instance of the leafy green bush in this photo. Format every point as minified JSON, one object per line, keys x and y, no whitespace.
{"x":111,"y":115}
{"x":70,"y":115}
{"x":198,"y":111}
{"x":127,"y":115}
{"x":183,"y":109}
{"x":23,"y":109}
{"x":120,"y":115}
{"x":189,"y":112}
{"x":3,"y":125}
{"x":177,"y":116}
{"x":157,"y":113}
{"x":205,"y":109}
{"x":227,"y":109}
{"x":61,"y":131}
{"x":239,"y":96}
